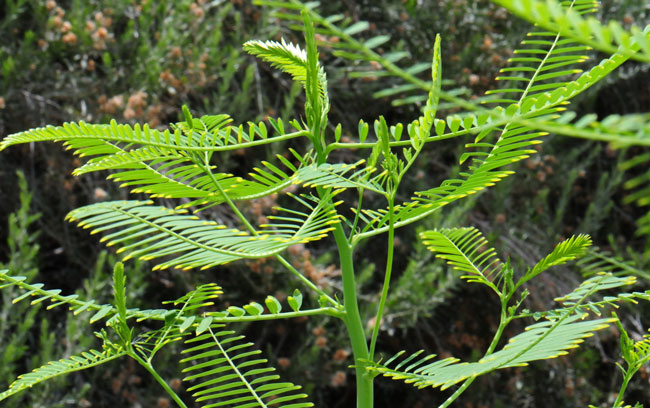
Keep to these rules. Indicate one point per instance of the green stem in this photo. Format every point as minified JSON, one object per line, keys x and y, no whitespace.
{"x":389,"y":269}
{"x":329,"y":311}
{"x":404,"y":143}
{"x":626,"y":379}
{"x":236,"y":146}
{"x":161,"y":340}
{"x":504,"y":321}
{"x":233,"y":365}
{"x":353,"y":321}
{"x":458,"y":392}
{"x":158,"y":378}
{"x":357,"y":214}
{"x":352,"y":317}
{"x":226,"y":197}
{"x":307,"y":282}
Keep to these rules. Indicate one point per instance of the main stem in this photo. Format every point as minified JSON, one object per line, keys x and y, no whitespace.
{"x":626,"y":379}
{"x":317,"y":115}
{"x":353,"y":322}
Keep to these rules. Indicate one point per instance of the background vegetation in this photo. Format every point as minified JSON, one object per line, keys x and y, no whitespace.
{"x":139,"y":61}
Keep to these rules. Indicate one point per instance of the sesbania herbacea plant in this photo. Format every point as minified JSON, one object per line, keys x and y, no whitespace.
{"x":221,"y":367}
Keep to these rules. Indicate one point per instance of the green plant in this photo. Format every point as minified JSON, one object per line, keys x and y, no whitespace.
{"x":24,"y":327}
{"x":178,"y":163}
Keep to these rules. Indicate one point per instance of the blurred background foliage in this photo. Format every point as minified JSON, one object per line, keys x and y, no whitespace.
{"x":139,"y":61}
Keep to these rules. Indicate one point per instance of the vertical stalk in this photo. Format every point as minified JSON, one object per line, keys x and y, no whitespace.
{"x":353,"y":321}
{"x":619,"y":398}
{"x":316,"y":111}
{"x":389,"y":269}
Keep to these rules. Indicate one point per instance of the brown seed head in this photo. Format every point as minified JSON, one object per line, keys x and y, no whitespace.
{"x":284,"y":362}
{"x":175,"y":383}
{"x":340,"y":355}
{"x":65,"y":27}
{"x":101,"y":33}
{"x":321,"y":342}
{"x":69,"y":38}
{"x":338,"y":379}
{"x":128,"y":114}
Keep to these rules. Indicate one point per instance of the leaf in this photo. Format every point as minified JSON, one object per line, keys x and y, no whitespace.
{"x":87,"y":359}
{"x":119,"y":289}
{"x":289,"y":58}
{"x":186,"y":323}
{"x":597,"y":260}
{"x":487,"y":167}
{"x":54,"y":296}
{"x":73,"y":302}
{"x":204,"y":325}
{"x":466,"y":250}
{"x":610,"y":38}
{"x":295,"y":301}
{"x":431,"y":106}
{"x":203,"y":296}
{"x":583,"y":297}
{"x":254,"y":309}
{"x":339,"y":176}
{"x":162,"y":164}
{"x":119,"y":293}
{"x":356,"y":28}
{"x":101,"y":313}
{"x":226,"y":371}
{"x":540,"y":341}
{"x":567,"y":250}
{"x":545,"y":63}
{"x":150,"y":232}
{"x":273,"y":304}
{"x":236,"y":311}
{"x":115,"y":144}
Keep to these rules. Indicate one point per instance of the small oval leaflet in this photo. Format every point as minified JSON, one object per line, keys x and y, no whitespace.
{"x":101,"y":313}
{"x":254,"y":308}
{"x":273,"y":304}
{"x":295,"y":301}
{"x":236,"y":311}
{"x":204,"y":325}
{"x":186,"y":323}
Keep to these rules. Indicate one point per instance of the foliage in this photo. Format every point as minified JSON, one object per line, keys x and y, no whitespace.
{"x":24,"y":326}
{"x":168,"y":50}
{"x":180,"y":163}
